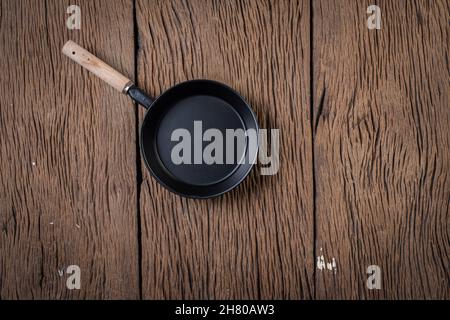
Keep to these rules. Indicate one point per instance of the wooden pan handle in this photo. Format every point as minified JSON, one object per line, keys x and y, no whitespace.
{"x":96,"y":66}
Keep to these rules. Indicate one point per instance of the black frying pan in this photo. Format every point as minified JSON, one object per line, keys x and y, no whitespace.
{"x":183,"y":106}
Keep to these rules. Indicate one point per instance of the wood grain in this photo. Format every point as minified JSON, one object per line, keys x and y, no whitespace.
{"x":364,"y":179}
{"x":382,"y":148}
{"x":67,"y":154}
{"x":257,"y":241}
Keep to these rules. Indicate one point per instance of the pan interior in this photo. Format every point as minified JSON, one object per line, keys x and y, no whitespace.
{"x":194,"y":114}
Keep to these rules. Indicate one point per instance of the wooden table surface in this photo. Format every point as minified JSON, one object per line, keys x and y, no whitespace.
{"x":364,"y":173}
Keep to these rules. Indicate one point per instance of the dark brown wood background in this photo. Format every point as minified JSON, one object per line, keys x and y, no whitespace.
{"x":364,"y":177}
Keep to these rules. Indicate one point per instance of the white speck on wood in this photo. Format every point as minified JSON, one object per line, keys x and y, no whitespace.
{"x":322,"y":264}
{"x":33,"y":163}
{"x":77,"y":225}
{"x":51,"y":222}
{"x":332,"y":265}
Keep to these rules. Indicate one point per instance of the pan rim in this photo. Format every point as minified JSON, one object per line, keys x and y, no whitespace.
{"x":243,"y":175}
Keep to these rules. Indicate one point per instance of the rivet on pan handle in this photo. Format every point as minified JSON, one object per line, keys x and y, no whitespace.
{"x":102,"y":70}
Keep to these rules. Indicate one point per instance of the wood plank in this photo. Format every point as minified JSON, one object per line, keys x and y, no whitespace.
{"x":67,"y":154}
{"x":382,"y":148}
{"x":257,"y":241}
